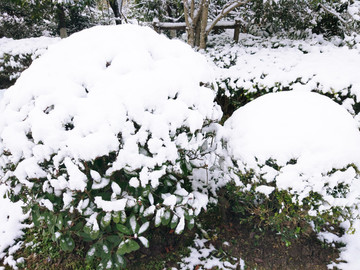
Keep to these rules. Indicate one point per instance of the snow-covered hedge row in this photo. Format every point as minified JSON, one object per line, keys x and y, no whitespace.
{"x":17,"y":55}
{"x":257,"y":66}
{"x":99,"y":136}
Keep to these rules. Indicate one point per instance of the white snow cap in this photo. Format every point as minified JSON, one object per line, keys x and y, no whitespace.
{"x":306,"y":126}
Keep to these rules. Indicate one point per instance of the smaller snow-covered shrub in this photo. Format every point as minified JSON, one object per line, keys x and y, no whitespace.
{"x":295,"y":163}
{"x":101,"y":134}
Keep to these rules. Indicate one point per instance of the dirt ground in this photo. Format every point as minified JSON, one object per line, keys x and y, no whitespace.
{"x":267,"y":251}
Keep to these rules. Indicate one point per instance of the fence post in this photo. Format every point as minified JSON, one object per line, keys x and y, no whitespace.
{"x":156,"y":26}
{"x":237,"y":30}
{"x":173,"y":33}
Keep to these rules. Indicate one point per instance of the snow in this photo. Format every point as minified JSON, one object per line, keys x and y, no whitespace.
{"x":11,"y":218}
{"x":34,"y":46}
{"x":306,"y":126}
{"x":108,"y":206}
{"x":301,"y":125}
{"x":202,"y":256}
{"x":350,"y":253}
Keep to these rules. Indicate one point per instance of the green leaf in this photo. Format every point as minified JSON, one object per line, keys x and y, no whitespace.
{"x":59,"y":221}
{"x":186,"y":167}
{"x":145,"y":192}
{"x":101,"y":266}
{"x":105,"y":220}
{"x":187,"y":215}
{"x":122,"y":249}
{"x":84,"y":236}
{"x":90,"y":255}
{"x":174,"y":221}
{"x":94,"y":234}
{"x":119,"y":261}
{"x":78,"y":226}
{"x":115,"y":239}
{"x":133,"y":245}
{"x":67,"y":243}
{"x":116,"y":217}
{"x":127,"y":246}
{"x":105,"y":251}
{"x":165,"y":219}
{"x":87,"y":229}
{"x":191,"y":223}
{"x":123,"y":217}
{"x":35,"y":213}
{"x":123,"y":229}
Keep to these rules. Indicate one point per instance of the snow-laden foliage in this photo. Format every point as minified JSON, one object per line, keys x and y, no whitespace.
{"x":100,"y":135}
{"x":257,"y":66}
{"x":296,"y":18}
{"x":296,"y":154}
{"x":17,"y":55}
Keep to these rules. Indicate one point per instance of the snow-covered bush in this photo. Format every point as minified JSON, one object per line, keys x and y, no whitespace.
{"x":17,"y":55}
{"x":257,"y":66}
{"x":295,"y":162}
{"x":100,"y":135}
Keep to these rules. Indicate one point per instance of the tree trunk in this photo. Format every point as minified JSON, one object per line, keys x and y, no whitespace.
{"x":114,"y":4}
{"x":203,"y":25}
{"x":62,"y":21}
{"x":196,"y":19}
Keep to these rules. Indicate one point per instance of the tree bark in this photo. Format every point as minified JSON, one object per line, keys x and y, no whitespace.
{"x":196,"y":19}
{"x":114,"y":4}
{"x":203,"y":24}
{"x":62,"y":21}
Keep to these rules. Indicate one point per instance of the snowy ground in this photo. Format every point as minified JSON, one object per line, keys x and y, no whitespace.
{"x":323,"y":66}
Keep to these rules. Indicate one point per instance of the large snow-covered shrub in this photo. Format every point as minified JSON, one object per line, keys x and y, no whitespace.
{"x":100,"y":136}
{"x":295,"y":161}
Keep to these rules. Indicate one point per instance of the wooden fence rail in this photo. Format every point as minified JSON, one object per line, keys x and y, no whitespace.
{"x":236,"y":25}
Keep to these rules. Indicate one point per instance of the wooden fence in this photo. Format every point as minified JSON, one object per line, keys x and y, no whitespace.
{"x":173,"y":27}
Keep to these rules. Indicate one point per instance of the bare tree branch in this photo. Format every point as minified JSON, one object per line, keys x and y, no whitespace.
{"x":225,"y":11}
{"x":334,"y":13}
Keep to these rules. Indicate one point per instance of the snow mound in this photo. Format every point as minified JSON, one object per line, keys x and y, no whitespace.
{"x":306,"y":126}
{"x":307,"y":135}
{"x":76,"y":99}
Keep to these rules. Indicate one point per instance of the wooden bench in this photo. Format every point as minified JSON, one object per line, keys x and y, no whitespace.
{"x":173,"y":27}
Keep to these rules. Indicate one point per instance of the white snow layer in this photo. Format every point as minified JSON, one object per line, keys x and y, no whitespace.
{"x":303,"y":126}
{"x":306,"y":126}
{"x":11,"y":216}
{"x":34,"y":46}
